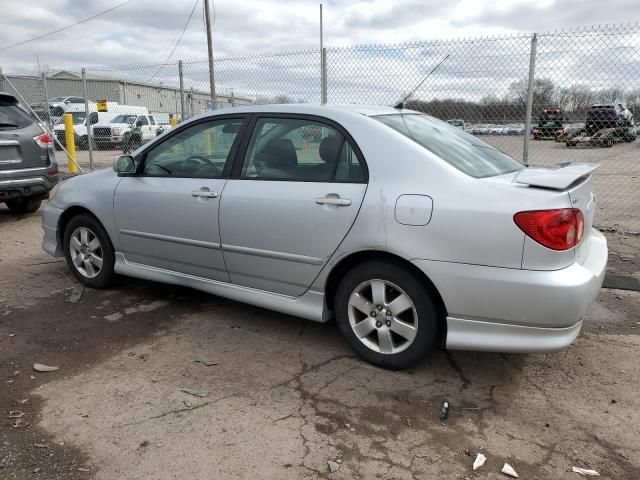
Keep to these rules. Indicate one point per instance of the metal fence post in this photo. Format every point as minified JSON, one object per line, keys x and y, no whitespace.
{"x":530,"y":88}
{"x":46,"y":98}
{"x":323,"y":86}
{"x":86,"y":118}
{"x":181,"y":89}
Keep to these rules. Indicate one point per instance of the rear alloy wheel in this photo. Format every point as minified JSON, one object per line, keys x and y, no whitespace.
{"x":386,"y":314}
{"x":20,"y":206}
{"x":89,"y":252}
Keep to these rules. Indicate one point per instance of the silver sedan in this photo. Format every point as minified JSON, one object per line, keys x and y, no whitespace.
{"x":408,"y":231}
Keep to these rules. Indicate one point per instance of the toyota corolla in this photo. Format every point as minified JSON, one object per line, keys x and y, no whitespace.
{"x":411,"y":233}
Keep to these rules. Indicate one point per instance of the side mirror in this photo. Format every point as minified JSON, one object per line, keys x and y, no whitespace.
{"x":124,"y":165}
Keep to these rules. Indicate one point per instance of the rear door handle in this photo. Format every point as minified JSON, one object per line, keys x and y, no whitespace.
{"x":339,"y":202}
{"x":204,"y":193}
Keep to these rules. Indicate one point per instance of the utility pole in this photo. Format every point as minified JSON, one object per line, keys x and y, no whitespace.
{"x":212,"y":76}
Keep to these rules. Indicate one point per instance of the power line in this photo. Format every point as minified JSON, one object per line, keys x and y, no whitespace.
{"x":175,"y":45}
{"x":65,"y":28}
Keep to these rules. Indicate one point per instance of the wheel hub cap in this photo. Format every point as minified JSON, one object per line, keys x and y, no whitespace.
{"x":86,"y":252}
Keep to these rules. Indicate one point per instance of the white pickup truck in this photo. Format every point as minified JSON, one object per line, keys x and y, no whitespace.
{"x":110,"y":134}
{"x":80,"y":124}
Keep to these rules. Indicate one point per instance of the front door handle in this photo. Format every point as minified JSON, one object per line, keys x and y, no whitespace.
{"x":337,"y":201}
{"x":204,"y":193}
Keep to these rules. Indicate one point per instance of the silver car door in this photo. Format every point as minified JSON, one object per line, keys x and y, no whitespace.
{"x":297,"y":194}
{"x":167,"y":214}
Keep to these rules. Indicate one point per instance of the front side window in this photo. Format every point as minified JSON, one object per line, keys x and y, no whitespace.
{"x":302,"y":150}
{"x":199,"y":151}
{"x":142,"y":121}
{"x":152,"y":120}
{"x":456,"y":147}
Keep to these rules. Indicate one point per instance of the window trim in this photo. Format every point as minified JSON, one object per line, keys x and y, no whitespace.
{"x":141,"y":158}
{"x":236,"y":171}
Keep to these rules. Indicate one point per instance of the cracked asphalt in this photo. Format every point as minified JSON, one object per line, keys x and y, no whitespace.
{"x":279,"y":397}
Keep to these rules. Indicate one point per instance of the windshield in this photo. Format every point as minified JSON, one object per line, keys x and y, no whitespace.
{"x":456,"y":147}
{"x":78,"y":118}
{"x":124,"y":119}
{"x":456,"y":123}
{"x":57,"y":99}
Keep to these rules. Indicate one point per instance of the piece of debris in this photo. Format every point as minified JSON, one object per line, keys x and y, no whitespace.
{"x":41,"y":445}
{"x":408,"y":422}
{"x":39,"y":367}
{"x":23,"y":401}
{"x":468,"y":452}
{"x":444,"y":411}
{"x":11,"y":335}
{"x":479,"y":461}
{"x":206,"y":363}
{"x":585,"y":471}
{"x":113,"y":317}
{"x":195,"y":393}
{"x":613,"y":400}
{"x":32,"y":377}
{"x":508,"y":470}
{"x":36,"y":470}
{"x":333,"y":466}
{"x":74,"y":294}
{"x":15,"y":414}
{"x":188,"y":404}
{"x":82,"y":469}
{"x":144,"y":443}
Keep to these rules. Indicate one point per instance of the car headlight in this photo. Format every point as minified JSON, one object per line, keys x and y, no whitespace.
{"x":117,"y":130}
{"x":54,"y":191}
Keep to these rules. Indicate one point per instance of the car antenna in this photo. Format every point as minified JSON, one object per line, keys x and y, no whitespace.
{"x":400,"y":104}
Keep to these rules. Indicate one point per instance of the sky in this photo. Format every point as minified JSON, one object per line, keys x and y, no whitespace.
{"x":145,"y":30}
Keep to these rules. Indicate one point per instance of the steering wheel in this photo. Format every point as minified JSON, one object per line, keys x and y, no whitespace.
{"x":195,"y":162}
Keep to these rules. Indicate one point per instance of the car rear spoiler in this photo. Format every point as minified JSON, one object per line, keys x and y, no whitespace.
{"x":556,"y":179}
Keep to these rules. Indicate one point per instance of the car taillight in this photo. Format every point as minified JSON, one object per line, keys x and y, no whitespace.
{"x":43,"y":140}
{"x":555,"y":229}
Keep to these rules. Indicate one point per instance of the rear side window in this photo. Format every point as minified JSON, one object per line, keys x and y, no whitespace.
{"x":12,"y":116}
{"x":456,"y":147}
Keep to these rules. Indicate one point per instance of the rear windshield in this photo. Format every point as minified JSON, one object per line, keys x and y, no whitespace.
{"x":12,"y":116}
{"x":454,"y":146}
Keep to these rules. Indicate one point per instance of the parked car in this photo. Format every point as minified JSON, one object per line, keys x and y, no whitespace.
{"x":80,"y":125}
{"x":458,"y":123}
{"x":550,"y":124}
{"x":481,"y":129}
{"x":515,"y":129}
{"x":111,"y":134}
{"x":498,"y":130}
{"x":28,"y":168}
{"x":405,"y":229}
{"x":610,"y":115}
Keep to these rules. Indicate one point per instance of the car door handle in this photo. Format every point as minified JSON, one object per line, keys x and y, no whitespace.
{"x":339,"y":202}
{"x":204,"y":193}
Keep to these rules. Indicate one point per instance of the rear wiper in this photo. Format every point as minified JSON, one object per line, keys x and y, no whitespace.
{"x":7,"y":125}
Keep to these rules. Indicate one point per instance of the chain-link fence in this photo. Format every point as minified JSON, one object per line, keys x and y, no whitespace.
{"x":543,"y":98}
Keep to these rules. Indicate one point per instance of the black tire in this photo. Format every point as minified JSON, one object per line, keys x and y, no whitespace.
{"x":429,"y":317}
{"x":106,"y":274}
{"x":20,"y":206}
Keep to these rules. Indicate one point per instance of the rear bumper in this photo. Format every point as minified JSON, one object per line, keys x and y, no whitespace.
{"x":27,"y":182}
{"x":510,"y":310}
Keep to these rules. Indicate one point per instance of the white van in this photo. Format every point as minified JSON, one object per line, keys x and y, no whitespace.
{"x":109,"y":134}
{"x":79,"y":115}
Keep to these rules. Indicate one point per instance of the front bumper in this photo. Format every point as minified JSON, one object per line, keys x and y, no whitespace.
{"x":51,"y":239}
{"x":510,"y":310}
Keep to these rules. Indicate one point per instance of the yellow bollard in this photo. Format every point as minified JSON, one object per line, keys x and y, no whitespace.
{"x":173,"y":121}
{"x":71,"y":143}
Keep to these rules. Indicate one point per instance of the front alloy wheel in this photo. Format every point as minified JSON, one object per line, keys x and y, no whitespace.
{"x":86,"y":252}
{"x":89,"y":251}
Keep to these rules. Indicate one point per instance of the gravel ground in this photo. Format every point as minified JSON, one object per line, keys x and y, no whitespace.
{"x":282,"y":397}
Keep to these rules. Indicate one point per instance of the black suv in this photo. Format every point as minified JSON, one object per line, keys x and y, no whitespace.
{"x":550,"y":124}
{"x":28,"y":168}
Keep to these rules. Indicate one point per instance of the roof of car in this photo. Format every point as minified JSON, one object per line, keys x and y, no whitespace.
{"x":314,"y":109}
